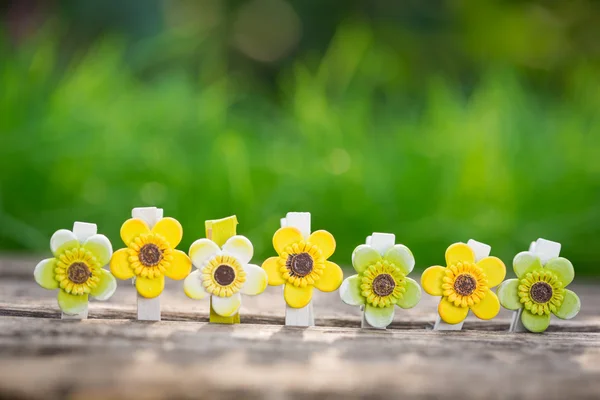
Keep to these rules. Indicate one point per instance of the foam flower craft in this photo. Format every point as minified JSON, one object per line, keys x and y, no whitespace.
{"x":224,"y":273}
{"x":381,"y":283}
{"x":302,"y":265}
{"x":465,"y":284}
{"x":150,"y":255}
{"x":76,"y":270}
{"x":540,"y":290}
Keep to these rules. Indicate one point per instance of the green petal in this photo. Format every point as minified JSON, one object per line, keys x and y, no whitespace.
{"x":62,"y":240}
{"x":412,"y":296}
{"x":106,"y":286}
{"x":44,"y":274}
{"x":401,"y":256}
{"x":570,"y":305}
{"x":100,"y":246}
{"x":379,"y":317}
{"x":508,"y":294}
{"x":562,"y":268}
{"x":350,"y":291}
{"x":525,"y":262}
{"x":363,"y":256}
{"x":72,"y":304}
{"x":535,"y":322}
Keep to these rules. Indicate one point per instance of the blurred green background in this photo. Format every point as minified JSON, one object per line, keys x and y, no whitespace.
{"x":438,"y":121}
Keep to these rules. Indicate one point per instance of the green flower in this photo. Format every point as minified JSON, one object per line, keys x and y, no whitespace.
{"x":540,"y":290}
{"x":381,"y":283}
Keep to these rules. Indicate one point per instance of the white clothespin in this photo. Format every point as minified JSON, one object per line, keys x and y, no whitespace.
{"x":545,"y":250}
{"x":299,"y":316}
{"x":481,"y":251}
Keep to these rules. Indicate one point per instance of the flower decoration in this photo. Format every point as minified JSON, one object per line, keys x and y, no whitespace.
{"x":224,"y":274}
{"x":150,"y":255}
{"x":540,"y":290}
{"x":381,"y":283}
{"x":302,"y":265}
{"x":76,"y":270}
{"x":465,"y":284}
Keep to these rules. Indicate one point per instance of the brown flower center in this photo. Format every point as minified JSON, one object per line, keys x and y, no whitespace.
{"x":79,"y":272}
{"x":465,"y":284}
{"x":300,"y":264}
{"x":150,"y":255}
{"x":224,"y":275}
{"x":541,"y":292}
{"x":383,"y":284}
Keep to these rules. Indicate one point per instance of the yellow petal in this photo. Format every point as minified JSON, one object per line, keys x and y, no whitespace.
{"x":324,"y":241}
{"x":202,"y":251}
{"x":192,"y":286}
{"x":332,"y":278}
{"x":271,"y":267}
{"x":459,"y":252}
{"x":133,"y":228}
{"x":494,"y":269}
{"x":297,"y":297}
{"x":226,"y":306}
{"x":170,"y":229}
{"x":432,"y":280}
{"x":180,"y":267}
{"x":256,"y":280}
{"x":450,"y":313}
{"x":285,"y":237}
{"x":488,"y":307}
{"x":62,"y":240}
{"x":150,"y":288}
{"x":119,"y":265}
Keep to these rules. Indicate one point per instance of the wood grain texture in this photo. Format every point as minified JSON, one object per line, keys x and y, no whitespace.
{"x":111,"y":355}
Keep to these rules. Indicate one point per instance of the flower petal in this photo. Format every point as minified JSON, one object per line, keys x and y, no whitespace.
{"x":432,"y":280}
{"x":459,"y":252}
{"x":494,"y":269}
{"x":379,"y":317}
{"x":450,"y":313}
{"x":285,"y":237}
{"x":525,"y":262}
{"x":363,"y":256}
{"x":133,"y":228}
{"x":535,"y":322}
{"x":106,"y":286}
{"x":192,"y":286}
{"x":324,"y":241}
{"x":488,"y":307}
{"x":62,"y":240}
{"x":239,"y":247}
{"x":570,"y":306}
{"x":101,"y":247}
{"x":180,"y":267}
{"x":350,"y":291}
{"x":170,"y":229}
{"x":402,"y":257}
{"x":150,"y":288}
{"x":562,"y":268}
{"x":201,"y":252}
{"x":119,"y":265}
{"x":297,"y":297}
{"x":412,"y":296}
{"x":44,"y":274}
{"x":72,"y":304}
{"x":331,"y":279}
{"x":508,"y":294}
{"x":271,"y":267}
{"x":226,"y":306}
{"x":256,"y":280}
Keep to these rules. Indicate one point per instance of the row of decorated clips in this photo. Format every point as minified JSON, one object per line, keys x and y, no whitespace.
{"x":223,"y":272}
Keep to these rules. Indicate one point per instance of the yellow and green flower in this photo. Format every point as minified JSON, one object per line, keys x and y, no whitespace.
{"x":540,"y":290}
{"x":382,"y":282}
{"x":76,"y":270}
{"x":465,"y":284}
{"x":302,"y":265}
{"x":150,"y":255}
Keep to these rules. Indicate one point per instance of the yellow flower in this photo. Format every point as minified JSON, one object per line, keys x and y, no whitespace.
{"x":302,"y":265}
{"x":465,"y":284}
{"x":150,"y":255}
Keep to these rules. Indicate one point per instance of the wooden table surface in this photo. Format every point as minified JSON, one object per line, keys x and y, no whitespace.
{"x":112,"y":355}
